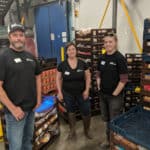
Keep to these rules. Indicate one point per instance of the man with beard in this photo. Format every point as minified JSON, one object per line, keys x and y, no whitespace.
{"x":20,"y":89}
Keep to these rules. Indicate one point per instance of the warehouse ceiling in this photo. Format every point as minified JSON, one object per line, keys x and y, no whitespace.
{"x":4,"y":7}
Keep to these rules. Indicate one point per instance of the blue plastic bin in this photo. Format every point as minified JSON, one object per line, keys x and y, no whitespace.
{"x":47,"y":103}
{"x":134,"y":125}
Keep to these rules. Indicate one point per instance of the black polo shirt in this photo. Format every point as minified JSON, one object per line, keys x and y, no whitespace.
{"x":73,"y":79}
{"x":111,"y":67}
{"x":18,"y":71}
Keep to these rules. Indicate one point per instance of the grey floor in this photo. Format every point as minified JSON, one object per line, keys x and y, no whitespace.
{"x":81,"y":143}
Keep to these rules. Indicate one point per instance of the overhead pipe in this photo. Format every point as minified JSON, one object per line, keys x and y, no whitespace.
{"x":70,"y":19}
{"x":114,"y":14}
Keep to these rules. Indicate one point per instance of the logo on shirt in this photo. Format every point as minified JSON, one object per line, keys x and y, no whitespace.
{"x":112,"y":63}
{"x":67,"y":73}
{"x":79,"y":70}
{"x":17,"y":60}
{"x":28,"y":59}
{"x":103,"y":62}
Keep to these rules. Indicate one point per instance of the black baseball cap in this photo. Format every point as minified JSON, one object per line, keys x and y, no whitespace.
{"x":15,"y":27}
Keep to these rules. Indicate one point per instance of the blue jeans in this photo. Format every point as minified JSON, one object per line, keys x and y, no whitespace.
{"x":72,"y":101}
{"x":20,"y":133}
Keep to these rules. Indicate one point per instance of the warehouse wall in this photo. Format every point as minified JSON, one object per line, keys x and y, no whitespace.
{"x":91,"y":12}
{"x":138,"y":10}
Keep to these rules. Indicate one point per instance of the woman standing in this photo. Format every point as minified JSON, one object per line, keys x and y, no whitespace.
{"x":111,"y":79}
{"x":73,"y":84}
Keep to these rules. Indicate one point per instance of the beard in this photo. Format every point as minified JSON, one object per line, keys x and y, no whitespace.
{"x":18,"y":45}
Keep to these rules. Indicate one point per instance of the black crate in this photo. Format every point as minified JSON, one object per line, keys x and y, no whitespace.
{"x":147,"y":23}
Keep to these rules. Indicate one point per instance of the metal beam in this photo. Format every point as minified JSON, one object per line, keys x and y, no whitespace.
{"x":114,"y":14}
{"x":18,"y":10}
{"x":1,"y":20}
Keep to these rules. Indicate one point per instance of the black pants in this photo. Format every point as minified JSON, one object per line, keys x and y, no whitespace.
{"x":111,"y":106}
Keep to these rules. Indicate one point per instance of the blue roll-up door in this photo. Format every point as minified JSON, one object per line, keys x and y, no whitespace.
{"x":51,"y":29}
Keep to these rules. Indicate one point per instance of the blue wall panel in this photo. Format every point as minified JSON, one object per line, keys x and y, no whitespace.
{"x":50,"y":19}
{"x":43,"y":32}
{"x":58,"y":25}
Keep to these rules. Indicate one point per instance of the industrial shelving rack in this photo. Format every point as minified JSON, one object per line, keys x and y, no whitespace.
{"x":145,"y":77}
{"x":132,"y":89}
{"x":146,"y":36}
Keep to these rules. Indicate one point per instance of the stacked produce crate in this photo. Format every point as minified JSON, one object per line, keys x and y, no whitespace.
{"x":90,"y":44}
{"x":48,"y":78}
{"x":133,"y":89}
{"x":97,"y":46}
{"x":46,"y":118}
{"x":146,"y":36}
{"x":46,"y":123}
{"x":145,"y":81}
{"x":48,"y":75}
{"x":145,"y":78}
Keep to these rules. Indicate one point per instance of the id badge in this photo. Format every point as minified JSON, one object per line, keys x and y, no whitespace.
{"x":67,"y":73}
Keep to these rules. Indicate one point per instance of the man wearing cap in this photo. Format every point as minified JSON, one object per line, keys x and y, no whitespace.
{"x":20,"y":89}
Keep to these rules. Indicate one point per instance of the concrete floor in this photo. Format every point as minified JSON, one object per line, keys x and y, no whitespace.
{"x":81,"y":143}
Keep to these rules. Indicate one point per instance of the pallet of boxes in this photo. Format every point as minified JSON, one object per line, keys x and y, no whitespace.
{"x":132,"y":92}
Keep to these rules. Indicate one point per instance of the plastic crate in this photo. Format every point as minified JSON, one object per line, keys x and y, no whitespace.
{"x":146,"y":58}
{"x":147,"y":31}
{"x":47,"y":103}
{"x":134,"y":125}
{"x":146,"y":37}
{"x":147,"y":23}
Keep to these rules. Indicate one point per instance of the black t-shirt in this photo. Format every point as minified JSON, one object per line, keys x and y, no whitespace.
{"x":18,"y":71}
{"x":73,"y":79}
{"x":111,"y":67}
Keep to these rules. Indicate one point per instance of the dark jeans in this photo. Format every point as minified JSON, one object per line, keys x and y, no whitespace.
{"x":72,"y":101}
{"x":20,"y":133}
{"x":111,"y":106}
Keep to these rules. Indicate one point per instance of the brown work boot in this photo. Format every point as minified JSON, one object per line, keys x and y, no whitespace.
{"x":86,"y":124}
{"x":72,"y":122}
{"x":106,"y":143}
